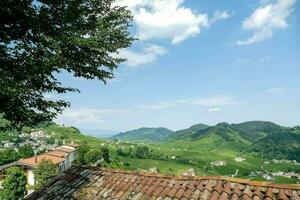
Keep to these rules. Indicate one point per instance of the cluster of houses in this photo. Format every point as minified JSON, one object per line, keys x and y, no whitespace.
{"x":62,"y":156}
{"x":271,"y":175}
{"x":274,"y":161}
{"x":38,"y":141}
{"x":218,"y":163}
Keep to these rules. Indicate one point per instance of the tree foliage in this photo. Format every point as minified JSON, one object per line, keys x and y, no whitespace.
{"x":44,"y":172}
{"x":40,"y":39}
{"x":26,"y":151}
{"x":105,"y":154}
{"x":14,"y":185}
{"x":80,"y":153}
{"x":142,"y":152}
{"x":8,"y":155}
{"x":92,"y":156}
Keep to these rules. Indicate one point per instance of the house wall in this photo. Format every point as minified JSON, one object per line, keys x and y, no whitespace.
{"x":69,"y":159}
{"x":30,"y":177}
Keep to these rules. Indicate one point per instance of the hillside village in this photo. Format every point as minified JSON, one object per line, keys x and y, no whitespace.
{"x":148,"y":157}
{"x":38,"y":141}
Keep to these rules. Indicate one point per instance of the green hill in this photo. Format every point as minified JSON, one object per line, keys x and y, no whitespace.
{"x":264,"y":139}
{"x":282,"y":144}
{"x":186,"y":133}
{"x":255,"y":130}
{"x":145,"y":134}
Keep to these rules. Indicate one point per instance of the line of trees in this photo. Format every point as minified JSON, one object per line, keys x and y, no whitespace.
{"x":87,"y":155}
{"x":138,"y":152}
{"x":15,"y":182}
{"x":11,"y":155}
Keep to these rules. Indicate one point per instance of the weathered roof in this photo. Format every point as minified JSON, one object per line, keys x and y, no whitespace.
{"x":65,"y":149}
{"x":32,"y":161}
{"x":72,"y":145}
{"x":92,"y":183}
{"x":7,"y":165}
{"x":57,"y":153}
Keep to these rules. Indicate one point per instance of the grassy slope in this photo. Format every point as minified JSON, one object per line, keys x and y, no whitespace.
{"x":196,"y":154}
{"x":71,"y":134}
{"x":145,"y":135}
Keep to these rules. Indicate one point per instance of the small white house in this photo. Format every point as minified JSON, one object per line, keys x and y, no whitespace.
{"x":63,"y":157}
{"x":239,"y":159}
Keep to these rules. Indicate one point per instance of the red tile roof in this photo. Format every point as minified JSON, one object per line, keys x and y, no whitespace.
{"x":32,"y":161}
{"x":65,"y":149}
{"x":92,"y":183}
{"x":57,"y":153}
{"x":74,"y":145}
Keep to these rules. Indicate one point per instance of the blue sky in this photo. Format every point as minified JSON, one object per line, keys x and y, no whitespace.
{"x":198,"y":62}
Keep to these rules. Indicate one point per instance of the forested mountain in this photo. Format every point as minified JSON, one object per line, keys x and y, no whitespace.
{"x":145,"y":134}
{"x":264,"y":139}
{"x":185,"y":133}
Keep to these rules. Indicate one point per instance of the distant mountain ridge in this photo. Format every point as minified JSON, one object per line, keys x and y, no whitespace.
{"x":260,"y":137}
{"x":145,"y":134}
{"x":185,"y":133}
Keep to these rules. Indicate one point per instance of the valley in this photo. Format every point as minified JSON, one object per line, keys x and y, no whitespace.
{"x":253,"y":150}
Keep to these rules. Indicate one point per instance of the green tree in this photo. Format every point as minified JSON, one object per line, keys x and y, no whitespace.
{"x":14,"y":185}
{"x":80,"y":153}
{"x":105,"y":154}
{"x":26,"y":151}
{"x":45,"y":171}
{"x":142,"y":152}
{"x":8,"y":155}
{"x":50,"y":140}
{"x":124,"y":152}
{"x":40,"y":39}
{"x":92,"y":156}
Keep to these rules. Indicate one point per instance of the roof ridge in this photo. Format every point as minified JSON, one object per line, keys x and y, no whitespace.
{"x":224,"y":178}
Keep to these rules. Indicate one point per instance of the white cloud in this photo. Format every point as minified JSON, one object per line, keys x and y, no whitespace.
{"x":243,"y":61}
{"x":148,"y":55}
{"x":214,"y":109}
{"x":206,"y":101}
{"x":219,"y":15}
{"x":215,"y":101}
{"x":265,"y":19}
{"x":86,"y":116}
{"x":277,"y":90}
{"x":168,"y":19}
{"x":264,"y":59}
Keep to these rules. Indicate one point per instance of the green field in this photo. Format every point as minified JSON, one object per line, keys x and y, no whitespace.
{"x":199,"y":159}
{"x":176,"y":156}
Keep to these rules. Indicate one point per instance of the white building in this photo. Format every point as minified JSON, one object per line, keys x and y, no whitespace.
{"x":63,"y":157}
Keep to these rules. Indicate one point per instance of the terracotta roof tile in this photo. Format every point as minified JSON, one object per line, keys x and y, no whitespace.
{"x":165,"y":192}
{"x":33,"y":161}
{"x":158,"y":191}
{"x":282,"y":195}
{"x":60,"y":154}
{"x":172,"y":192}
{"x":65,"y":149}
{"x":72,"y":145}
{"x":179,"y":193}
{"x":196,"y":194}
{"x":224,"y":196}
{"x":94,"y":183}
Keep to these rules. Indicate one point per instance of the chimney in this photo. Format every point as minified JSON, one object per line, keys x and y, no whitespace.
{"x":35,"y":157}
